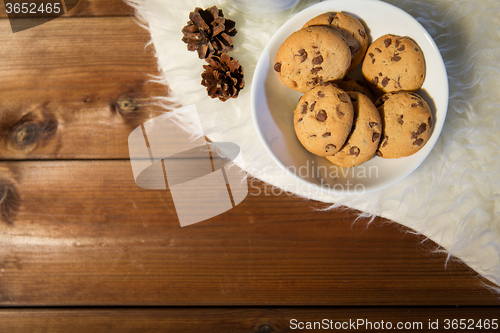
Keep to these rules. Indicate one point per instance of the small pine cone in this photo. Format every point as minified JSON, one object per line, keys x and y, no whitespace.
{"x":208,"y":32}
{"x":223,"y":77}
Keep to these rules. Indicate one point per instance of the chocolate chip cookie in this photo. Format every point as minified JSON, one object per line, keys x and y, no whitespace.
{"x":323,"y":119}
{"x":365,"y":135}
{"x":394,"y":63}
{"x":407,"y":124}
{"x":348,"y":84}
{"x":350,"y":28}
{"x":312,"y":56}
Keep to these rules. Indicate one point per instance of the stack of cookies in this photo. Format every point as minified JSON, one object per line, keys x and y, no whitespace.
{"x":349,"y":121}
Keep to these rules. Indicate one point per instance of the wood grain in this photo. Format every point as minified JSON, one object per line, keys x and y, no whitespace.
{"x":91,"y":8}
{"x":235,"y":320}
{"x":78,"y":91}
{"x":84,"y":234}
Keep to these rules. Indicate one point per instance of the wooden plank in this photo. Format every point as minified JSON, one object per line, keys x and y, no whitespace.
{"x":83,"y":233}
{"x":91,"y":8}
{"x":74,"y":92}
{"x":245,"y":320}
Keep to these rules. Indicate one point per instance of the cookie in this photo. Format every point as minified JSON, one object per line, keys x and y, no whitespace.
{"x":323,"y":119}
{"x":394,"y":63}
{"x":365,"y":135}
{"x":350,"y":28}
{"x":311,"y":56}
{"x":407,"y":124}
{"x":348,"y":84}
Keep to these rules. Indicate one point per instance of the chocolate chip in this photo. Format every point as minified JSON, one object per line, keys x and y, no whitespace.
{"x":318,"y":60}
{"x":277,"y":67}
{"x":304,"y":108}
{"x":418,"y":142}
{"x":387,"y":42}
{"x":321,"y":94}
{"x":314,"y":47}
{"x":372,"y":56}
{"x":300,"y":120}
{"x":380,"y":74}
{"x":396,"y":57}
{"x":312,"y":106}
{"x":354,"y":151}
{"x":414,"y":105}
{"x":362,"y":33}
{"x":430,"y":122}
{"x":343,"y":97}
{"x":402,"y":48}
{"x":330,"y":146}
{"x":379,"y":153}
{"x":318,"y":80}
{"x":416,"y":49}
{"x":302,"y":54}
{"x":400,"y":120}
{"x":321,"y":115}
{"x":378,"y":50}
{"x":375,"y":80}
{"x":414,"y":135}
{"x":315,"y":70}
{"x":340,"y":113}
{"x":422,"y":128}
{"x":312,"y":135}
{"x":327,"y":134}
{"x":398,"y":42}
{"x":330,"y":19}
{"x":384,"y":98}
{"x":385,"y":141}
{"x":385,"y":81}
{"x":375,"y":137}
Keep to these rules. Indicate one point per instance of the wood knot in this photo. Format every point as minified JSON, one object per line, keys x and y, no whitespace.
{"x":265,"y":328}
{"x":9,"y":201}
{"x":30,"y":130}
{"x":126,"y":106}
{"x":27,"y":134}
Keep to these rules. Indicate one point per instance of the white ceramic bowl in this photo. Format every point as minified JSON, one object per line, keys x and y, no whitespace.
{"x":272,"y":103}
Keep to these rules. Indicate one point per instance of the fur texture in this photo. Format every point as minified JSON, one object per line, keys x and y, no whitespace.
{"x":452,"y":198}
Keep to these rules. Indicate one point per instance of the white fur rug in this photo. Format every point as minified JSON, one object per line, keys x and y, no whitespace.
{"x":452,"y":198}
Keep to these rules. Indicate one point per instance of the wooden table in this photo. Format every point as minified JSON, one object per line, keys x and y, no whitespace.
{"x":82,"y":248}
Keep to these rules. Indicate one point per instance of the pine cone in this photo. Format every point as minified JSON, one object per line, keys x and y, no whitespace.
{"x":223,"y":77}
{"x":208,"y":32}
